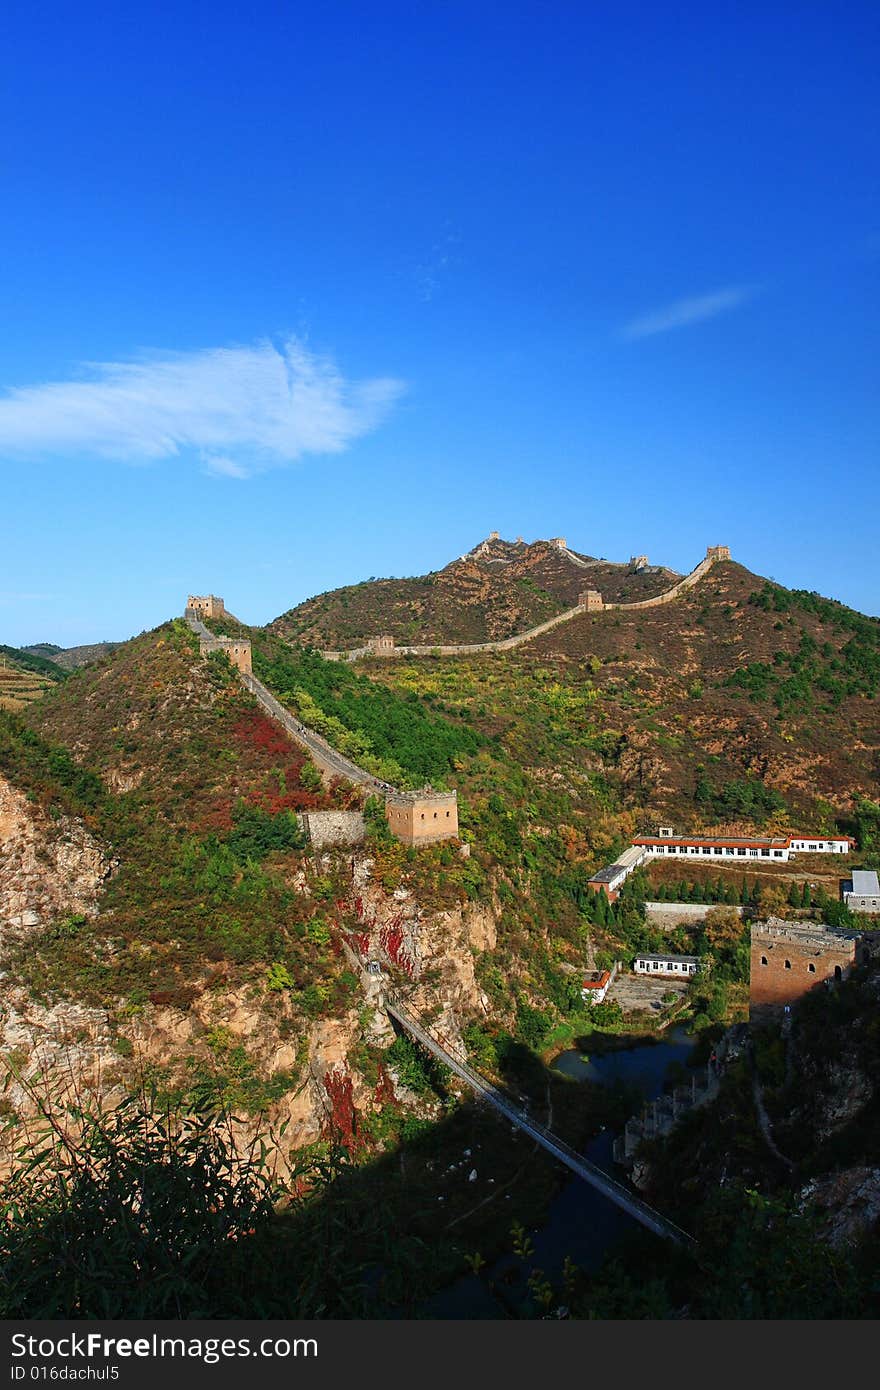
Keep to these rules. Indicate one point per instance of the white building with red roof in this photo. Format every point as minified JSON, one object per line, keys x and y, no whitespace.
{"x":732,"y":850}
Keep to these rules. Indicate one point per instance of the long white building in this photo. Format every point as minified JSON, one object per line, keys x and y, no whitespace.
{"x":778,"y":847}
{"x":728,"y":849}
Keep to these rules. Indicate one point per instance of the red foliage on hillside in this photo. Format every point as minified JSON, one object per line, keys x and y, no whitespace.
{"x":342,"y":1118}
{"x":282,"y":762}
{"x":392,"y":940}
{"x":256,"y":730}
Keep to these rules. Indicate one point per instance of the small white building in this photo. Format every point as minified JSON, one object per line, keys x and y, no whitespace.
{"x":816,"y":844}
{"x":861,"y":893}
{"x":678,"y":967}
{"x":611,"y":880}
{"x":596,"y":986}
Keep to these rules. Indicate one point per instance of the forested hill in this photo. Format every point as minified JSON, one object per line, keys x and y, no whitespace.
{"x":679,"y":710}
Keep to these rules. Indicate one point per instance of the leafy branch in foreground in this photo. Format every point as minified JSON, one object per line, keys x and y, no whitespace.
{"x":138,"y":1211}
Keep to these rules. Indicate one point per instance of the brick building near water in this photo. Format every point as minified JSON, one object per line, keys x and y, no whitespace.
{"x":790,"y":958}
{"x":419,"y":818}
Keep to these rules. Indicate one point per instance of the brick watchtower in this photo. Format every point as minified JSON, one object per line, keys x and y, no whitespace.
{"x":238,"y":649}
{"x":420,"y":818}
{"x":591,"y":600}
{"x":790,"y":958}
{"x":207,"y":605}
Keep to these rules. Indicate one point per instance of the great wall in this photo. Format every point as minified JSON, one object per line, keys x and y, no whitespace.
{"x":824,"y":953}
{"x":425,"y":816}
{"x":421,"y":817}
{"x":590,"y":601}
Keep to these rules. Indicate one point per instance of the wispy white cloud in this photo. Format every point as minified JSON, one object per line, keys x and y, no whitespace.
{"x":684,"y":312}
{"x":238,"y":409}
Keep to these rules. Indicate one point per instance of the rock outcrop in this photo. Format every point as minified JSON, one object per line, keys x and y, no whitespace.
{"x":88,"y":1051}
{"x":48,"y":867}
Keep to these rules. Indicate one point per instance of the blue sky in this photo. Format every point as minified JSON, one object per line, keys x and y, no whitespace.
{"x":294,"y":296}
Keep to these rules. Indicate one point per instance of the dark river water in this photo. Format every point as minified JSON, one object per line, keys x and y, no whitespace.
{"x":580,"y":1222}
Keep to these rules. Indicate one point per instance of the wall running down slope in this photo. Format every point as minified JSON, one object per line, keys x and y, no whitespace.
{"x":411,"y":815}
{"x":384,"y":647}
{"x":330,"y":763}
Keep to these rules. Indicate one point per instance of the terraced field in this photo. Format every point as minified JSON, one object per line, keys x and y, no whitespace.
{"x":19,"y":687}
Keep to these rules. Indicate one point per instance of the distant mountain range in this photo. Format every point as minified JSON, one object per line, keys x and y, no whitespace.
{"x":69,"y":658}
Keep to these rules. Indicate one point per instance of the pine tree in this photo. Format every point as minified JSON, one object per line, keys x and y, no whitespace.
{"x":794,"y":896}
{"x":806,"y":896}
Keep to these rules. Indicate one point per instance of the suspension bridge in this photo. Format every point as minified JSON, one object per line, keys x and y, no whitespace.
{"x":485,"y":1089}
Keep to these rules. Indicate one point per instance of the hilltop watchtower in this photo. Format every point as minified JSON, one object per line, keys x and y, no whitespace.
{"x":421,"y":818}
{"x":381,"y":646}
{"x":717,"y":552}
{"x":207,"y":605}
{"x":591,"y":601}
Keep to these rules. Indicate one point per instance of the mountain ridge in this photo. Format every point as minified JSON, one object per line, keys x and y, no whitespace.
{"x":497,"y":589}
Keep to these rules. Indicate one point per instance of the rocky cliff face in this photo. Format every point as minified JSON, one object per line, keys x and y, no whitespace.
{"x":435,"y":951}
{"x":85,"y":1050}
{"x":48,"y":867}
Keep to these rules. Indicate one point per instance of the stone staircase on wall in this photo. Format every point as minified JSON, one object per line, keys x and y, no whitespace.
{"x":660,"y":1116}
